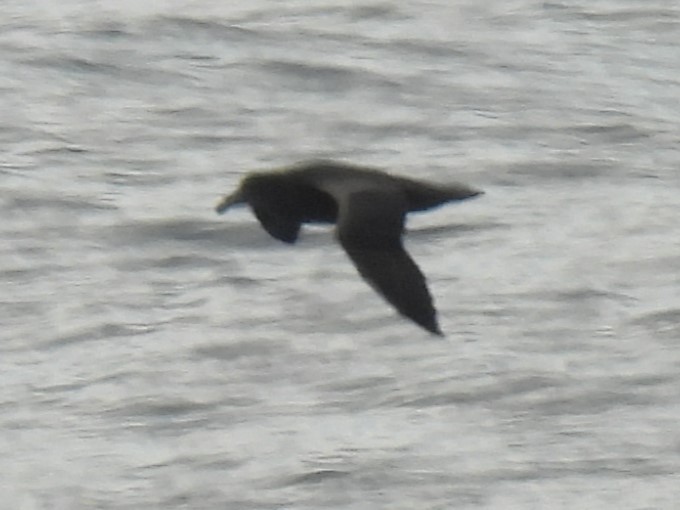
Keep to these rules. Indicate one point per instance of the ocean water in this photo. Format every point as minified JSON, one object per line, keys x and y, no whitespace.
{"x":156,"y":355}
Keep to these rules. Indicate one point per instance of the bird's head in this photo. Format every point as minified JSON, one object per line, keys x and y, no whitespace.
{"x":237,"y":197}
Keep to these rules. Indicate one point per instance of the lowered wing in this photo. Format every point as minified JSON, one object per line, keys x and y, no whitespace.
{"x":370,"y":224}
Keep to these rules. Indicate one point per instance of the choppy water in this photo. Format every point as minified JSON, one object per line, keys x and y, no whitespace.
{"x":154,"y":355}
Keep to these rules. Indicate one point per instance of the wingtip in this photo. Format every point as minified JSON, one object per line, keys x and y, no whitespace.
{"x":436,"y":331}
{"x":431,"y":326}
{"x":465,"y":192}
{"x":474,"y":192}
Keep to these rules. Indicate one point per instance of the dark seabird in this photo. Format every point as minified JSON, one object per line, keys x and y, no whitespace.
{"x":369,"y":209}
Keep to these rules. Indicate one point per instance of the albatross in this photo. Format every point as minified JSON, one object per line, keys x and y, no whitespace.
{"x":368,"y":207}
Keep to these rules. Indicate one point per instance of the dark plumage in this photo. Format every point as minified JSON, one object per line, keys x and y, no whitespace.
{"x":369,"y":209}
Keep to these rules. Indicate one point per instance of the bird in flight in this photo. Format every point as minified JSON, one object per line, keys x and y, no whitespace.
{"x":369,"y":209}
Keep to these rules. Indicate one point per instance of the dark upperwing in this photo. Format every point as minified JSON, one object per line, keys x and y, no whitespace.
{"x":369,"y":228}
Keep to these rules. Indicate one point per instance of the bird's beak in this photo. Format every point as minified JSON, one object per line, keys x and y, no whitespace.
{"x":229,"y":200}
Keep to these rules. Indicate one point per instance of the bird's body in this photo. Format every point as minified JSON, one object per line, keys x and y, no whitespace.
{"x":369,"y":208}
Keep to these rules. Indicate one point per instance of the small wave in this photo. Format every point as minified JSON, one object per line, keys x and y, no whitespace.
{"x":124,"y":70}
{"x":314,"y":477}
{"x":619,"y":132}
{"x":379,"y":11}
{"x":322,"y":77}
{"x":559,"y":171}
{"x":176,"y":229}
{"x":453,"y":229}
{"x":507,"y":390}
{"x":55,"y":203}
{"x":662,"y":323}
{"x":237,"y":350}
{"x":104,"y":331}
{"x":196,"y":27}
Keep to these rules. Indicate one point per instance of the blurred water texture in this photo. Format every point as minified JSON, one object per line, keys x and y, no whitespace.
{"x":155,"y":355}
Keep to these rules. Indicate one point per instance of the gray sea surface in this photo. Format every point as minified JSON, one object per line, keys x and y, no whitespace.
{"x":156,"y":355}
